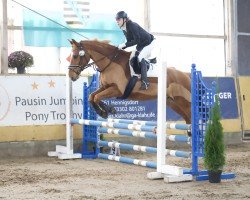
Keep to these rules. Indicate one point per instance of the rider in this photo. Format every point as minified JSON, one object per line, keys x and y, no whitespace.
{"x":143,"y":40}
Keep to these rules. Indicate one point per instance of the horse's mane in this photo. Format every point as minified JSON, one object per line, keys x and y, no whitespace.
{"x":102,"y":41}
{"x":103,"y":47}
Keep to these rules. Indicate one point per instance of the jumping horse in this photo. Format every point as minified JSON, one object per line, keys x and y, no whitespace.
{"x":113,"y":65}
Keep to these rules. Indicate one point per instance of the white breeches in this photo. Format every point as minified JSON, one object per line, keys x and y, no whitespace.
{"x":146,"y":51}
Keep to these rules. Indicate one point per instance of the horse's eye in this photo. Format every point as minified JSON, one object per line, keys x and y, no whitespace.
{"x":81,"y":53}
{"x":75,"y":56}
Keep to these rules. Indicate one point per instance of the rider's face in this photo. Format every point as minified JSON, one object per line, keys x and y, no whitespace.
{"x":119,"y":21}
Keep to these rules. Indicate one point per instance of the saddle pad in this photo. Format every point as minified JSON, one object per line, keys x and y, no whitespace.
{"x":152,"y":71}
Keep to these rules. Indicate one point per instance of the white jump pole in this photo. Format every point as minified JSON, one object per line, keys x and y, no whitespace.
{"x":168,"y":172}
{"x":161,"y":119}
{"x":67,"y":152}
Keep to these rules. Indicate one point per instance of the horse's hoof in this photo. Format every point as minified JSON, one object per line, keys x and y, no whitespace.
{"x":112,"y":110}
{"x":104,"y":115}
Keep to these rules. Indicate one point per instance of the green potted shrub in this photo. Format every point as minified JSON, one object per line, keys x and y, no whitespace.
{"x":214,"y":150}
{"x":20,"y":60}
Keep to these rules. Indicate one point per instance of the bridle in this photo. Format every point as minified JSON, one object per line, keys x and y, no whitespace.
{"x":81,"y":52}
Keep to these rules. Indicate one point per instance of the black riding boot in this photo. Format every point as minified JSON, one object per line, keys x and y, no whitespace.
{"x":144,"y":78}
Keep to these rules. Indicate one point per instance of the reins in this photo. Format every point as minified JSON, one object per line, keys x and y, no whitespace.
{"x":94,"y":63}
{"x":111,"y":60}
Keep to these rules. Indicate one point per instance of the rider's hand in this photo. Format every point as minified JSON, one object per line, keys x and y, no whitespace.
{"x":122,"y":46}
{"x":137,"y":53}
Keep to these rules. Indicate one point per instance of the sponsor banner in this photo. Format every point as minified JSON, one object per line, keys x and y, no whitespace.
{"x":37,"y":100}
{"x":40,"y":100}
{"x":147,"y":110}
{"x":139,"y":110}
{"x":227,"y":95}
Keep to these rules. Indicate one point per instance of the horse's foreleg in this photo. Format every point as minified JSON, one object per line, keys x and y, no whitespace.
{"x":100,"y":109}
{"x":92,"y":95}
{"x":109,"y":92}
{"x":108,"y":108}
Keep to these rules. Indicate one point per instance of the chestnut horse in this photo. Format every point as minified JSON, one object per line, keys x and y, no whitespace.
{"x":113,"y":65}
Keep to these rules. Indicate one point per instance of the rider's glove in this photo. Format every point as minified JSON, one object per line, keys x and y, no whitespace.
{"x":122,"y":46}
{"x":137,"y":53}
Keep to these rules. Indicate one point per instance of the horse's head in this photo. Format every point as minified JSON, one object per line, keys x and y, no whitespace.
{"x":79,"y":60}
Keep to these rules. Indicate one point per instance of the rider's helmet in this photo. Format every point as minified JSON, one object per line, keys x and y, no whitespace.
{"x":121,"y":14}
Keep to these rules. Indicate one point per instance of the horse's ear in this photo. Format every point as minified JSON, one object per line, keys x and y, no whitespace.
{"x":70,"y":41}
{"x":74,"y":42}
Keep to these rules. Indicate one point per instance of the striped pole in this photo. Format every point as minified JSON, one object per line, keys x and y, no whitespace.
{"x":179,"y":138}
{"x":174,"y":153}
{"x":142,"y":134}
{"x":176,"y":126}
{"x":149,"y":135}
{"x":113,"y":125}
{"x":127,"y":160}
{"x":169,"y":125}
{"x":133,"y":161}
{"x":128,"y":121}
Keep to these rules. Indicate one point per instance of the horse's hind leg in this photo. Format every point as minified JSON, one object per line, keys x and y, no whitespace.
{"x":183,"y":108}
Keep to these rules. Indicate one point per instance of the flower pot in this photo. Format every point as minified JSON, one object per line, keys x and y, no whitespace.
{"x":21,"y":70}
{"x":214,"y":176}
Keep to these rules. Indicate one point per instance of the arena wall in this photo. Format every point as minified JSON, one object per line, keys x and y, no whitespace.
{"x":20,"y":136}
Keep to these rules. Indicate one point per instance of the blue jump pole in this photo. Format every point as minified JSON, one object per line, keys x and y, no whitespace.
{"x":113,"y":125}
{"x":132,"y":161}
{"x":128,"y":121}
{"x":169,"y":125}
{"x":143,"y":134}
{"x":149,"y":135}
{"x":131,"y":147}
{"x":127,"y":160}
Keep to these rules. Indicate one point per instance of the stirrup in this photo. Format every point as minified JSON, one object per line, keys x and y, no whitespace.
{"x":144,"y":85}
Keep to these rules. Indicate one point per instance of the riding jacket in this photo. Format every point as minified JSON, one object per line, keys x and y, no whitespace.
{"x":136,"y":35}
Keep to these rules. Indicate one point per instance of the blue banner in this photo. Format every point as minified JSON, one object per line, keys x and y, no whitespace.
{"x":227,"y":95}
{"x":147,"y":110}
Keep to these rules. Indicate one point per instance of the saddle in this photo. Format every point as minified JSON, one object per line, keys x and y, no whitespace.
{"x":134,"y":63}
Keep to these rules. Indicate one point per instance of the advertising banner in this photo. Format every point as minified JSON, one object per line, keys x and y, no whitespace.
{"x":37,"y":100}
{"x":40,"y":100}
{"x":147,"y":110}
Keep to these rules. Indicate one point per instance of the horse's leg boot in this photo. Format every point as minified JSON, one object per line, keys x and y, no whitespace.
{"x":112,"y":110}
{"x":100,"y":110}
{"x":144,"y":78}
{"x":107,"y":108}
